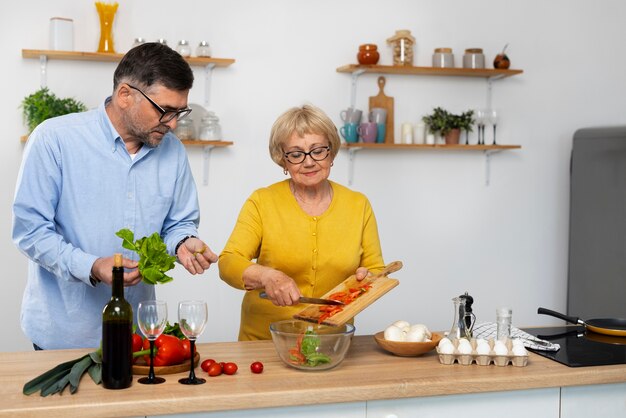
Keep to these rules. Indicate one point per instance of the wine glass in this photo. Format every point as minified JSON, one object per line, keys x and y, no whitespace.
{"x":192,"y":317}
{"x":492,"y":115}
{"x":481,"y":119}
{"x":152,"y":318}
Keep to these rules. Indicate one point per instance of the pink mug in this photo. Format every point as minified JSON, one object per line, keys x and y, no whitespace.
{"x":367,"y":131}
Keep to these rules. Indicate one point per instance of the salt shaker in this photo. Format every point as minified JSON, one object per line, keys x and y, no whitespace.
{"x":503,"y":322}
{"x":203,"y":49}
{"x":183,"y":48}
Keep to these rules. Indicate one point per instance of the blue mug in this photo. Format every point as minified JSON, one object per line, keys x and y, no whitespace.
{"x":349,"y":132}
{"x":381,"y":132}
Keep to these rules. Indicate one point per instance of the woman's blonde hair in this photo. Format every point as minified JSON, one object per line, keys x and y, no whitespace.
{"x":303,"y":120}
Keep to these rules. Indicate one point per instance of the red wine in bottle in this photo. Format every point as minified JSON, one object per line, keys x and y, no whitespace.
{"x":117,"y":328}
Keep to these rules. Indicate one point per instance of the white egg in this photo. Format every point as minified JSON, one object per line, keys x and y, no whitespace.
{"x":500,"y":350}
{"x":393,"y":333}
{"x":464,"y":341}
{"x":483,"y":349}
{"x":402,"y":325}
{"x":465,"y":348}
{"x":519,"y":350}
{"x":446,"y":348}
{"x":444,"y":341}
{"x":422,"y":327}
{"x":480,"y":341}
{"x":415,"y":335}
{"x":517,"y":342}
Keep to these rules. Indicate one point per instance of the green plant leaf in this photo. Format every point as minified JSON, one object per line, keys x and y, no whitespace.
{"x":154,"y":260}
{"x":44,"y":104}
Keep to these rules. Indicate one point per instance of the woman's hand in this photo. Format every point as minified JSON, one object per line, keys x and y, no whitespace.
{"x":281,"y":289}
{"x":361,"y":273}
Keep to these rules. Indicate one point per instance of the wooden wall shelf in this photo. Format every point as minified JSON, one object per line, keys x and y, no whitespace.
{"x":410,"y":70}
{"x":106,"y":57}
{"x":442,"y":147}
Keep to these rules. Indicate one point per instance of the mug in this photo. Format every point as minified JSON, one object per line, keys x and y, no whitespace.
{"x":349,"y":132}
{"x":368,"y":131}
{"x":381,"y":132}
{"x":351,"y":115}
{"x":407,"y":133}
{"x":378,"y":115}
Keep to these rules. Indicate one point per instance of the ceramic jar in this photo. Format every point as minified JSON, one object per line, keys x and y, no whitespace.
{"x":474,"y":58}
{"x":443,"y":58}
{"x":402,"y":43}
{"x":368,"y":54}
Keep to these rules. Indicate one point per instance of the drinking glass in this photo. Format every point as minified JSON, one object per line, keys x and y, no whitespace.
{"x":152,"y":318}
{"x":481,"y":119}
{"x":192,"y":317}
{"x":493,"y":119}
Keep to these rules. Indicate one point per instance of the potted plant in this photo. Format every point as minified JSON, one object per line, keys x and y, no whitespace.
{"x":44,"y":104}
{"x":448,"y":124}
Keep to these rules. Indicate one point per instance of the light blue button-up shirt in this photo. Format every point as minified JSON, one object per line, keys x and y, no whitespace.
{"x":76,"y":187}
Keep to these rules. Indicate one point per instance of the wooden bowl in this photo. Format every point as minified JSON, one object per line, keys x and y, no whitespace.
{"x":407,"y":349}
{"x":142,"y":368}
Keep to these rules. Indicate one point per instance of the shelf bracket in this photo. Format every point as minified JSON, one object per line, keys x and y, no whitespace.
{"x":488,"y":154}
{"x":208,"y":71}
{"x":43,"y":68}
{"x":351,"y":156}
{"x":206,"y":158}
{"x":355,"y":77}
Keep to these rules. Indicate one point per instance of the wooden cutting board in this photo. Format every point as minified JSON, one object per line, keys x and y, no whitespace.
{"x":386,"y":102}
{"x":380,"y":283}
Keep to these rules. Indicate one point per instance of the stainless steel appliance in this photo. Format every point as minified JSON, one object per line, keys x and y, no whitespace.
{"x":597,"y":239}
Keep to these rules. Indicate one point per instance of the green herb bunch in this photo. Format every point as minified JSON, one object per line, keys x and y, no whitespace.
{"x":43,"y":104}
{"x":310,"y":344}
{"x":154,"y":260}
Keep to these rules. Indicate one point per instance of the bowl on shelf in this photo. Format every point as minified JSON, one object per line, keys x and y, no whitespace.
{"x":311,"y":347}
{"x":407,"y":349}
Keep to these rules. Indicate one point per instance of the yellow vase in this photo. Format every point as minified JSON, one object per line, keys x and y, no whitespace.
{"x":106,"y":11}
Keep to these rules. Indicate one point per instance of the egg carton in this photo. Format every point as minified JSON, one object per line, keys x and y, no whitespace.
{"x":483,"y":359}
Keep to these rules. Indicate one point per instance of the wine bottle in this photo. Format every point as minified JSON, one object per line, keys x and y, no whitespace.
{"x":117,"y":328}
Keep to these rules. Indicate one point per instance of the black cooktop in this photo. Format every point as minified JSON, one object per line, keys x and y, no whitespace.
{"x":581,"y":348}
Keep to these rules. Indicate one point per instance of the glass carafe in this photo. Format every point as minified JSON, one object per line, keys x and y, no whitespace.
{"x":459,"y":328}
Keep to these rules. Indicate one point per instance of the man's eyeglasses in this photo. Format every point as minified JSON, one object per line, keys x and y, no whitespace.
{"x":298,"y":157}
{"x":166,"y":115}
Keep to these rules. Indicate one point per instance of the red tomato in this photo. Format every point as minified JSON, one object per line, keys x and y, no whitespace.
{"x":230,"y":368}
{"x":256,"y":367}
{"x":206,"y":364}
{"x":215,"y":369}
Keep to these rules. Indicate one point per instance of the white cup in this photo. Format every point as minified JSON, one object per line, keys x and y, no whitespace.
{"x":61,"y":34}
{"x":420,"y":133}
{"x":407,"y":133}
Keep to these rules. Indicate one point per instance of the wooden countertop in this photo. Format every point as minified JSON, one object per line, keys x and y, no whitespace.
{"x":367,"y":373}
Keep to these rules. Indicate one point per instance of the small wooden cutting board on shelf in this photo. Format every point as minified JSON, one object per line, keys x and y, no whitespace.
{"x":385,"y":102}
{"x":380,"y":284}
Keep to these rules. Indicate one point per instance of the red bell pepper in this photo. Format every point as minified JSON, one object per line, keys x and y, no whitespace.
{"x":168,"y":351}
{"x":137,"y":345}
{"x":187,"y":347}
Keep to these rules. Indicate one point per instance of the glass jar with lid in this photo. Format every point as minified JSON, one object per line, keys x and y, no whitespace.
{"x":443,"y":58}
{"x":474,"y":58}
{"x":183,"y":48}
{"x":162,"y":41}
{"x":210,"y":129}
{"x":203,"y":49}
{"x":185,"y":128}
{"x":138,"y":41}
{"x":402,"y":44}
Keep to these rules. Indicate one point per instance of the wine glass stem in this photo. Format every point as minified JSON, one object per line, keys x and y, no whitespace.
{"x":192,"y":373}
{"x":151,"y":372}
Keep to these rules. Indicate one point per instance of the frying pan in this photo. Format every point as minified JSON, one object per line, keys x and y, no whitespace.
{"x":606,"y":326}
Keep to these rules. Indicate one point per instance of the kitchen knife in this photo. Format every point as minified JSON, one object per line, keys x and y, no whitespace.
{"x":316,"y":301}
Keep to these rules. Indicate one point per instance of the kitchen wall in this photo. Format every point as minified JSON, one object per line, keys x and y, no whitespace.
{"x":505,"y":243}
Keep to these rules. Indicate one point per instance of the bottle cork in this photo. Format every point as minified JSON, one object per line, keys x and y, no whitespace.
{"x":117,"y":260}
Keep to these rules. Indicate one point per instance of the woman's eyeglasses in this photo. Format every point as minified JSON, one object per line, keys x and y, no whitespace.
{"x":298,"y":157}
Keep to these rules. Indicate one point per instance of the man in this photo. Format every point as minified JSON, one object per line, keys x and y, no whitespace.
{"x":87,"y":175}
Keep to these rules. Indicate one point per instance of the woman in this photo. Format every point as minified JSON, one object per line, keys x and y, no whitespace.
{"x":306,"y":233}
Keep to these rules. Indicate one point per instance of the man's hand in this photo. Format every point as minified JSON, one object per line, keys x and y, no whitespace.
{"x":195,"y":256}
{"x":102,"y":270}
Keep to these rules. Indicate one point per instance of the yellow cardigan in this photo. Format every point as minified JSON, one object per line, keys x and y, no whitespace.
{"x":318,"y":252}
